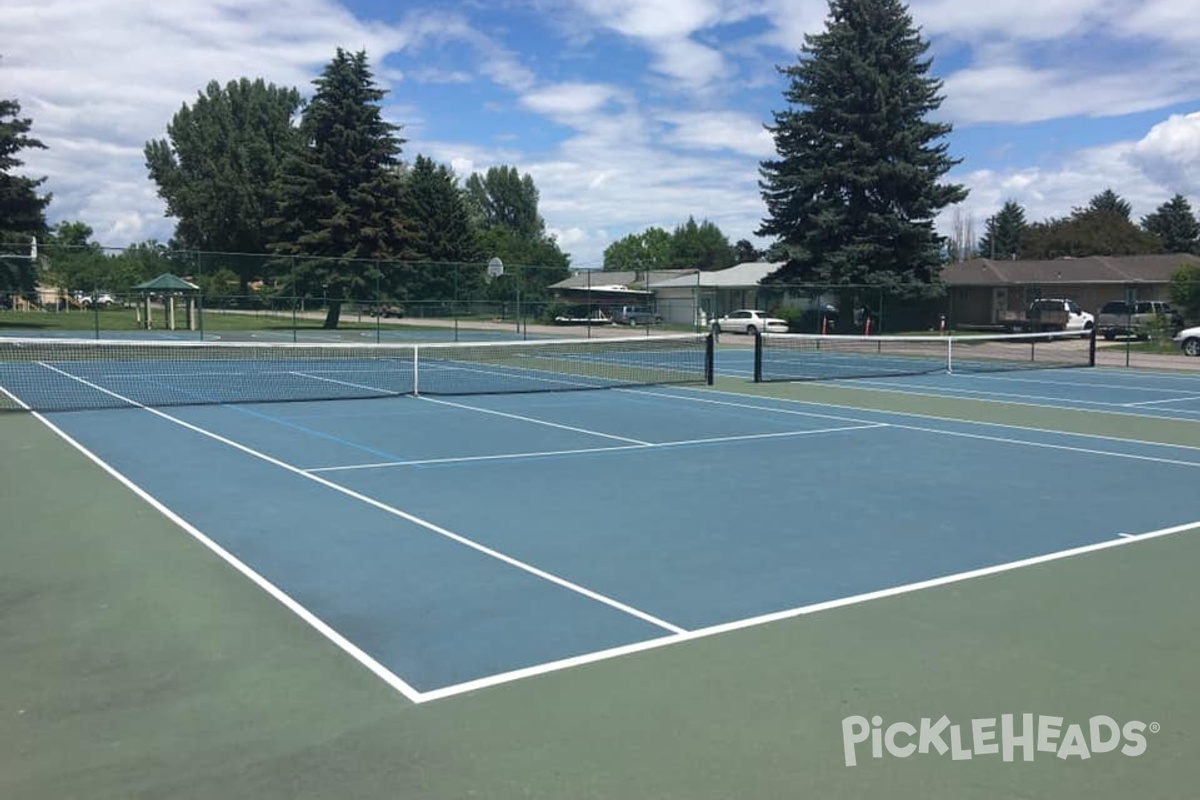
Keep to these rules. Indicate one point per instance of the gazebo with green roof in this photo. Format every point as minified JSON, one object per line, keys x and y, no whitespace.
{"x":169,"y":287}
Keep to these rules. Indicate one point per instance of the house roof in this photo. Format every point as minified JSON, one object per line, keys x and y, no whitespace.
{"x":617,"y":280}
{"x":749,"y":274}
{"x":1092,"y":269}
{"x":167,"y":283}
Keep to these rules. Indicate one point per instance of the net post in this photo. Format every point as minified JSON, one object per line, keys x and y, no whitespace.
{"x":950,"y":355}
{"x":1092,"y":348}
{"x":709,"y":359}
{"x":758,"y":348}
{"x":416,"y":371}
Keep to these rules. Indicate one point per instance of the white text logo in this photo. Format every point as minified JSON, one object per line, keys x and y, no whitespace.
{"x":1027,"y":734}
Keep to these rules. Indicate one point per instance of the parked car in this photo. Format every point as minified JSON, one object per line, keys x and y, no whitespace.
{"x":1048,"y":314}
{"x":1135,"y":318}
{"x":1188,"y":340}
{"x":634,"y":315}
{"x":750,"y":321}
{"x":102,"y":299}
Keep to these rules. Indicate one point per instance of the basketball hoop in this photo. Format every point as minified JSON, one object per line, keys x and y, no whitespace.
{"x":495,"y":268}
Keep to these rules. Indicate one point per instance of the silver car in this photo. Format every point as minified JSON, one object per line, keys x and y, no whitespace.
{"x":750,"y":321}
{"x":1188,"y":340}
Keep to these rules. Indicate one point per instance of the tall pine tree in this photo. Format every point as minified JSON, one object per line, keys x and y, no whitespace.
{"x":1108,"y":202}
{"x":22,"y":209}
{"x":444,"y":235}
{"x":856,"y":187}
{"x":1176,"y":225}
{"x":339,"y":194}
{"x":1004,"y":233}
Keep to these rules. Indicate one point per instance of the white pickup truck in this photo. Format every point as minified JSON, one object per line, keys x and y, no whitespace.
{"x":1049,"y":314}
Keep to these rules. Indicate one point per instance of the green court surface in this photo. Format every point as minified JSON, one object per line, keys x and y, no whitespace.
{"x":136,"y":664}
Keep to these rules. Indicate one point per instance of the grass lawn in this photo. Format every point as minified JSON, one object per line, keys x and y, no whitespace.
{"x":125,"y":319}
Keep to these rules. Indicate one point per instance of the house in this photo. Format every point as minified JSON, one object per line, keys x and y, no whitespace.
{"x":695,"y":299}
{"x":978,"y":291}
{"x":593,"y":289}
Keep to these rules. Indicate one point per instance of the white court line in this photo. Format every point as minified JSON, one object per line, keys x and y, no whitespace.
{"x":921,"y":390}
{"x":1011,"y":377}
{"x":323,"y":628}
{"x":481,"y":548}
{"x":1159,"y":402}
{"x":588,"y":450}
{"x":752,"y":622}
{"x":386,"y":392}
{"x":20,"y":403}
{"x":1009,"y":440}
{"x":537,"y":421}
{"x":984,"y":394}
{"x":885,"y":412}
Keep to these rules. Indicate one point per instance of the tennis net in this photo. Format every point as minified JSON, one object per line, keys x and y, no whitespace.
{"x":802,"y":357}
{"x":44,"y":374}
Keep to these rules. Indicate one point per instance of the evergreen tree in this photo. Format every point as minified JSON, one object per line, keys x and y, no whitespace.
{"x":339,"y":194}
{"x":855,"y":190}
{"x":1175,"y":224}
{"x":1004,"y":233}
{"x":1108,"y":202}
{"x":22,"y":209}
{"x":443,"y":234}
{"x":217,"y":168}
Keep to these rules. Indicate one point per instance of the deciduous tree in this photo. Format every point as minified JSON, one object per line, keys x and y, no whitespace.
{"x":217,"y":167}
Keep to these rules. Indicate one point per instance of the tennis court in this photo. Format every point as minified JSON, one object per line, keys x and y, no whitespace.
{"x":454,"y":527}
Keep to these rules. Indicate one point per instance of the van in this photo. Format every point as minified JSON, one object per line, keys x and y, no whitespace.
{"x":1137,"y":318}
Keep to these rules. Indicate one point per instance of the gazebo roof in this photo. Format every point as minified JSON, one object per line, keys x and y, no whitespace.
{"x":167,"y":283}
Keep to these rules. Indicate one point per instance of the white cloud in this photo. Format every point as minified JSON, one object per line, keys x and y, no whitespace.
{"x":625,"y":151}
{"x":1170,"y":154}
{"x":100,"y":79}
{"x":567,"y":100}
{"x":1053,"y":191}
{"x":1044,"y":20}
{"x":1015,"y":93}
{"x":721,"y":130}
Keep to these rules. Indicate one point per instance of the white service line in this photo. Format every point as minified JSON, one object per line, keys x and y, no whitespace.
{"x":537,"y":421}
{"x":342,"y":383}
{"x":908,"y":414}
{"x":751,"y":622}
{"x":484,"y":549}
{"x":323,"y":628}
{"x":1187,"y":399}
{"x":747,"y":437}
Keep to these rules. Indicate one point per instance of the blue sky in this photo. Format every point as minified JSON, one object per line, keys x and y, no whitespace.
{"x":627,"y":113}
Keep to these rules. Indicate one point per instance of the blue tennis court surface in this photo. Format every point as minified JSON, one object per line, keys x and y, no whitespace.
{"x":452,"y":542}
{"x":1120,"y":390}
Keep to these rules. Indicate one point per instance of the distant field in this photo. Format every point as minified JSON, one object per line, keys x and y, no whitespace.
{"x":125,"y":319}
